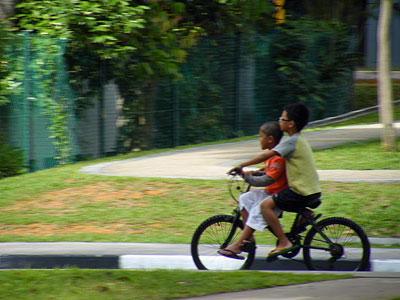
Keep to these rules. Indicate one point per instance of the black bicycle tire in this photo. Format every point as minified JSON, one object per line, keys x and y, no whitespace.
{"x":366,"y":249}
{"x":200,"y":230}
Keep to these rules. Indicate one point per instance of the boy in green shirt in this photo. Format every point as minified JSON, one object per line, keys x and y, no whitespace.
{"x":300,"y":170}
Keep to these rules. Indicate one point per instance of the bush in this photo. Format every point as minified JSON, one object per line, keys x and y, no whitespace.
{"x":365,"y":95}
{"x":313,"y":62}
{"x":11,"y":160}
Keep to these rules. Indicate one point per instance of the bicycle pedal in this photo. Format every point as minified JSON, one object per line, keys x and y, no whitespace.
{"x":248,"y":247}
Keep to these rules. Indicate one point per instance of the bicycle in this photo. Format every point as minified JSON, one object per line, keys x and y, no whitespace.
{"x":334,"y":243}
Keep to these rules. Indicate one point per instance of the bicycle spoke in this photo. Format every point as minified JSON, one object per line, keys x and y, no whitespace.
{"x":209,"y":238}
{"x":348,"y":248}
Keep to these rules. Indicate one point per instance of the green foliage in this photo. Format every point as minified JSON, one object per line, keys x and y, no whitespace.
{"x":313,"y":63}
{"x":140,"y":47}
{"x":135,"y":45}
{"x":4,"y":84}
{"x":34,"y":80}
{"x":348,"y":12}
{"x":11,"y":159}
{"x":230,"y":16}
{"x":107,"y":26}
{"x":53,"y":96}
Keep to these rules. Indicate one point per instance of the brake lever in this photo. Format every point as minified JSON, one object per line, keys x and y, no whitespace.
{"x":236,"y":171}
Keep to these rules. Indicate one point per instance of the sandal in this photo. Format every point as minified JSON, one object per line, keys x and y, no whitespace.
{"x":279,"y":251}
{"x":231,"y":254}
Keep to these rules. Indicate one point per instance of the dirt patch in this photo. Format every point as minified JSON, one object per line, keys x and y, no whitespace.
{"x":64,"y":201}
{"x":100,"y":192}
{"x":53,"y":229}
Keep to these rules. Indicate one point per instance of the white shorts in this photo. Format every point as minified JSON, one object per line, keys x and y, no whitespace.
{"x":251,"y":201}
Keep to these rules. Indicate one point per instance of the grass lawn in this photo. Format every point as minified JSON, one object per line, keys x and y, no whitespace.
{"x":62,"y":204}
{"x":74,"y":284}
{"x":366,"y":155}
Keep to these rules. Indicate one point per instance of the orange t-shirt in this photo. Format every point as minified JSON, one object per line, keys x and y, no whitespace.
{"x":275,"y":168}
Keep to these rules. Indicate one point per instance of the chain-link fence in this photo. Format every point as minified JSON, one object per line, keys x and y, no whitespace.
{"x":230,"y":85}
{"x":39,"y":97}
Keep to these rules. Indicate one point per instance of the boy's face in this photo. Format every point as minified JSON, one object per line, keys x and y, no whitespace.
{"x":284,"y":121}
{"x":266,"y":141}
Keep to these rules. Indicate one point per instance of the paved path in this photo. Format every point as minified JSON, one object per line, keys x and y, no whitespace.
{"x":212,"y":162}
{"x":369,"y":287}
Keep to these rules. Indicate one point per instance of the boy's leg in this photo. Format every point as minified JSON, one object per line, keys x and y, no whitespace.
{"x":235,"y":247}
{"x":247,"y":201}
{"x":244,"y":215}
{"x":267,"y":210}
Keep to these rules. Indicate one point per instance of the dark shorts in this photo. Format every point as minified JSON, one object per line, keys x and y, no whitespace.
{"x":290,"y":201}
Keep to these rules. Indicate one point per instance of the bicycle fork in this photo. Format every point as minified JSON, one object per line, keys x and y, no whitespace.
{"x":313,"y":224}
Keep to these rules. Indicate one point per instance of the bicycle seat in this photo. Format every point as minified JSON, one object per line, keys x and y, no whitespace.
{"x":314,"y":203}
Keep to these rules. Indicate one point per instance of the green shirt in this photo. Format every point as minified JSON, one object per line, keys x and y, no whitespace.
{"x":300,"y":166}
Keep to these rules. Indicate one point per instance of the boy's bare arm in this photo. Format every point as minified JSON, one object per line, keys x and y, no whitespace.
{"x":256,"y":160}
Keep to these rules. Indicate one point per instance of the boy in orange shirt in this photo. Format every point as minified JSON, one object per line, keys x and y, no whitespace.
{"x":301,"y":174}
{"x":273,"y":178}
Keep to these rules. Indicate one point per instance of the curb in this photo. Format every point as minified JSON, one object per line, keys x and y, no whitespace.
{"x":59,"y":261}
{"x":385,"y":265}
{"x":153,"y":262}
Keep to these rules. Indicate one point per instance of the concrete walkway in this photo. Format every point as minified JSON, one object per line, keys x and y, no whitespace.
{"x":370,"y":286}
{"x":212,"y":162}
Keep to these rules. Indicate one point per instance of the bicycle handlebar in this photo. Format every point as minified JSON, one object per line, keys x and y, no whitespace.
{"x":236,"y":171}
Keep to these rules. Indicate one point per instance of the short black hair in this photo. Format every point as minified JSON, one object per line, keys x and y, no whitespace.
{"x":272,"y":128}
{"x":298,"y":113}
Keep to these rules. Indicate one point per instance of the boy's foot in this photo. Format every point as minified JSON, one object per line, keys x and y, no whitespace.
{"x":229,"y":253}
{"x":279,"y":251}
{"x":248,"y":246}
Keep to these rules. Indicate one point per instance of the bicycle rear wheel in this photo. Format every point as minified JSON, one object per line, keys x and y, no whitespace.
{"x":349,"y":251}
{"x":209,"y":237}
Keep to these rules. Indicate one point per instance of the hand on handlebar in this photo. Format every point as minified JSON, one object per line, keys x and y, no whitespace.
{"x":235,"y":171}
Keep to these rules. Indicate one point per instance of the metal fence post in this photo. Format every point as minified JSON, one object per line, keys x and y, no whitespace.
{"x":237,"y":66}
{"x":28,"y":131}
{"x":176,"y":117}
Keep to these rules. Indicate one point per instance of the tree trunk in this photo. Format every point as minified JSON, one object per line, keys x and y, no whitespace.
{"x":7,"y":10}
{"x":147,"y":115}
{"x":385,"y":93}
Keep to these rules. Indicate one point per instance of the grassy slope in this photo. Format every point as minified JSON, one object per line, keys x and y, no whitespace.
{"x":62,"y":204}
{"x":76,"y":284}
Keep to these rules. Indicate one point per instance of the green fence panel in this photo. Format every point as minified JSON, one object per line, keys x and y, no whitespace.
{"x":230,"y":85}
{"x":38,"y":73}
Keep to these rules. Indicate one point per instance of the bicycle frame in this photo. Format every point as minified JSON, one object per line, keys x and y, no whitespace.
{"x":232,"y":232}
{"x":317,"y":239}
{"x":313,"y":224}
{"x":310,"y":221}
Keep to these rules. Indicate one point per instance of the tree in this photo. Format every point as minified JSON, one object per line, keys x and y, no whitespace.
{"x":385,"y":93}
{"x":136,"y":42}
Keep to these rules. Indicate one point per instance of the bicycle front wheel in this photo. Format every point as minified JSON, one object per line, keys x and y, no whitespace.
{"x":209,"y":237}
{"x":348,"y":249}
